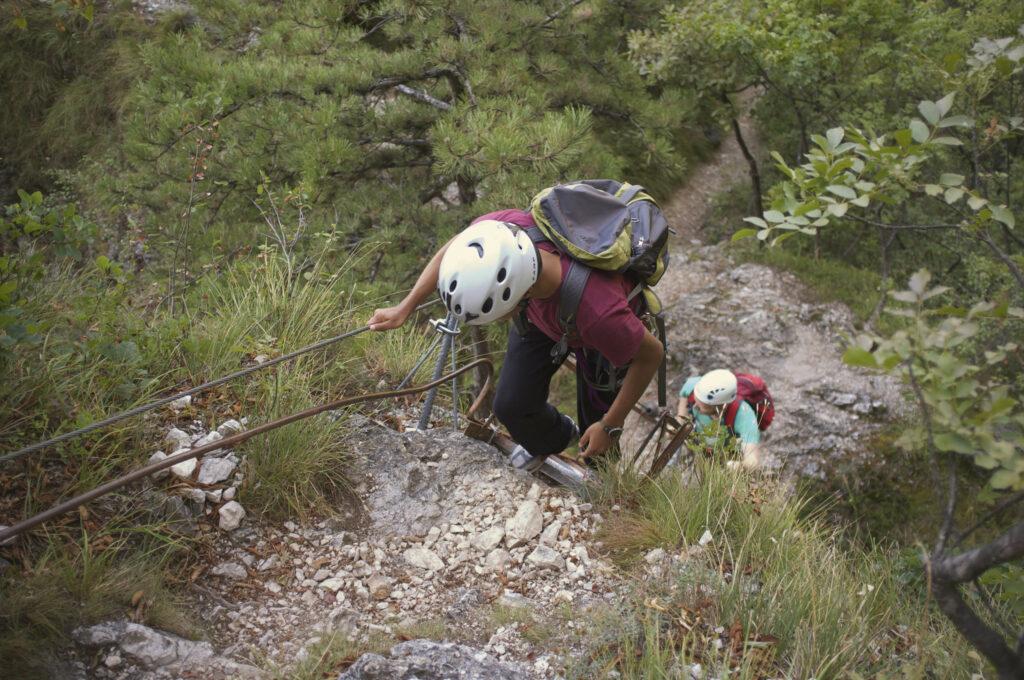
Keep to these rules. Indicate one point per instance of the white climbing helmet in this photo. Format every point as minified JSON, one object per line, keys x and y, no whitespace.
{"x":716,"y":387}
{"x":486,"y":271}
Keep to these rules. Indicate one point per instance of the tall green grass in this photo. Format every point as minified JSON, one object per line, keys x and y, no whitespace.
{"x":801,"y":601}
{"x":116,"y":570}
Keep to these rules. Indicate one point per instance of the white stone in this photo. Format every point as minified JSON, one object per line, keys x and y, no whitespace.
{"x":214,"y":470}
{"x":497,"y":559}
{"x":156,"y":458}
{"x":423,"y":558}
{"x":550,"y":534}
{"x":379,"y":587}
{"x":705,"y":538}
{"x":214,"y":496}
{"x":655,"y":556}
{"x":333,"y":584}
{"x":232,"y":570}
{"x":185,"y":468}
{"x":546,"y":558}
{"x":181,"y":403}
{"x":527,"y":523}
{"x":231,"y":515}
{"x":230,"y":427}
{"x":488,"y":540}
{"x":176,"y":436}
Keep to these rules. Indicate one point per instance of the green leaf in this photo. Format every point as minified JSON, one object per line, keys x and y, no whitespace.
{"x":932,"y":189}
{"x":903,"y":295}
{"x":930,"y":111}
{"x":1005,"y":479}
{"x":956,"y":121}
{"x":954,"y":441}
{"x":951,"y":179}
{"x":903,"y":138}
{"x":947,"y":141}
{"x":842,"y":191}
{"x":861,"y":201}
{"x":774,"y":216}
{"x":953,"y":195}
{"x":756,"y":221}
{"x":945,"y":104}
{"x":919,"y":281}
{"x":742,"y":233}
{"x":919,"y":131}
{"x":835,"y":136}
{"x":838,"y":209}
{"x":1003,"y":214}
{"x":976,"y":203}
{"x":858,"y":356}
{"x":783,"y":237}
{"x":20,"y":23}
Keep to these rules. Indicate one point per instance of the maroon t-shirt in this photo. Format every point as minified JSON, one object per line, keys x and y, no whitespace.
{"x":606,"y":319}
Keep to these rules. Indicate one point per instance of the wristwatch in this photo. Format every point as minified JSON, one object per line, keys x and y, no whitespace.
{"x":613,"y":432}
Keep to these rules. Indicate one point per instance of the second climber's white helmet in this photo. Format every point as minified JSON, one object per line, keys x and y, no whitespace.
{"x":486,"y":271}
{"x":716,"y":387}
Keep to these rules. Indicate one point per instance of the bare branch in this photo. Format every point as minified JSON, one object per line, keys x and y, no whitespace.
{"x":552,"y":17}
{"x":423,"y":97}
{"x":968,"y":565}
{"x":904,"y":227}
{"x":1009,"y":502}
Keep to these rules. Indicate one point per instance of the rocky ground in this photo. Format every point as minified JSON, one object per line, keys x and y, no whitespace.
{"x":440,"y":531}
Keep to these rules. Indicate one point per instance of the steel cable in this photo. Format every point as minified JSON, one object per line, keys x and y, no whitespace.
{"x":228,"y":442}
{"x":166,"y":400}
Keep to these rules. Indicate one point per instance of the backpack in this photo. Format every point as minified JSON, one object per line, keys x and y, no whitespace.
{"x":608,"y":225}
{"x":754,"y":391}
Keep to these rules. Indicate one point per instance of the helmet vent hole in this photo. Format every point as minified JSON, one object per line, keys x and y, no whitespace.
{"x":488,"y":303}
{"x":506,"y":294}
{"x":458,"y":309}
{"x":502,"y":274}
{"x":479,"y":249}
{"x":452,"y":286}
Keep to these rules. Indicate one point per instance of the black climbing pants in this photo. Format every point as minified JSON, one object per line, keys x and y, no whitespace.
{"x":521,"y":399}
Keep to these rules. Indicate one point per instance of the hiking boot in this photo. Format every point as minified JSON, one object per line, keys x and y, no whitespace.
{"x":575,"y":436}
{"x":523,"y":460}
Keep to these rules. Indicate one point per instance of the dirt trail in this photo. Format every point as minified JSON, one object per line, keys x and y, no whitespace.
{"x":758,"y":319}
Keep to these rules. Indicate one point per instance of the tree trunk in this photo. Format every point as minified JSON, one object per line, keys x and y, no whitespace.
{"x":755,"y":175}
{"x":1008,"y":665}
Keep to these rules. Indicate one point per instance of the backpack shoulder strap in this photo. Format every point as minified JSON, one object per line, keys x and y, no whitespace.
{"x":535,"y":233}
{"x":569,"y":298}
{"x":730,"y":413}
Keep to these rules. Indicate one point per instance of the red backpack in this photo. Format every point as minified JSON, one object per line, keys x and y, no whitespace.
{"x":751,"y":389}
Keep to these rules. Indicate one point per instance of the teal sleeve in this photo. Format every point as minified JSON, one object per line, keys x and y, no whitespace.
{"x":745,"y":425}
{"x":688,"y":386}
